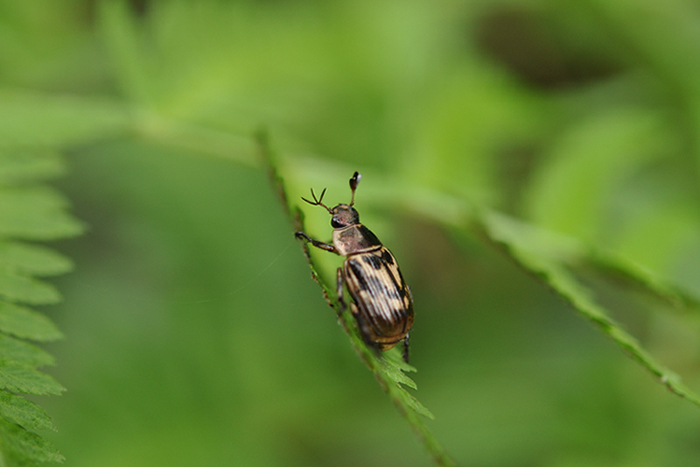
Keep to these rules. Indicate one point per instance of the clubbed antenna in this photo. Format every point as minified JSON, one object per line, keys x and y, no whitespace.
{"x":353,"y":186}
{"x":317,"y":202}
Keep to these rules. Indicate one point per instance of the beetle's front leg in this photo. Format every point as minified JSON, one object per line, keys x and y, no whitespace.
{"x":324,"y":246}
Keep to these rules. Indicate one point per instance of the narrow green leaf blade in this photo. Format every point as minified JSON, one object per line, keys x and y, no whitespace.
{"x":23,"y":352}
{"x":18,"y":288}
{"x":25,"y":413}
{"x":18,"y":377}
{"x":415,"y":404}
{"x":26,"y":323}
{"x":19,"y":165}
{"x":33,"y":259}
{"x":394,"y":373}
{"x":645,"y":280}
{"x":37,"y":213}
{"x":22,"y":445}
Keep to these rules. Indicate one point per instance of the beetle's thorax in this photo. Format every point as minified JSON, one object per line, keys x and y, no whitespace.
{"x":353,"y":239}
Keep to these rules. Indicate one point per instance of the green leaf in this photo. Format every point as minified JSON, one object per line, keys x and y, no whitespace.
{"x":24,"y":352}
{"x":395,"y":373}
{"x":26,"y":323}
{"x":644,"y":280}
{"x":19,"y":377}
{"x":25,"y":413}
{"x":568,"y":192}
{"x":49,"y":120}
{"x":519,"y":240}
{"x":24,"y":447}
{"x":29,"y":164}
{"x":119,"y":32}
{"x":37,"y":213}
{"x":29,"y":125}
{"x":33,"y":259}
{"x":17,"y":288}
{"x":418,"y":408}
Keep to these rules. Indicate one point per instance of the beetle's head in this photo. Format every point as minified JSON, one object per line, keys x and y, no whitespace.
{"x":343,"y":214}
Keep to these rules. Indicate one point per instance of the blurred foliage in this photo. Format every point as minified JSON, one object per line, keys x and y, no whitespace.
{"x":194,"y":335}
{"x":29,"y":211}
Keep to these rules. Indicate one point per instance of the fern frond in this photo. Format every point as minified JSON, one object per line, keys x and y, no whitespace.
{"x":29,"y":211}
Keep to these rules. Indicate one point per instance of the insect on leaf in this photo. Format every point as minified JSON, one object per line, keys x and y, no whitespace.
{"x":387,"y":370}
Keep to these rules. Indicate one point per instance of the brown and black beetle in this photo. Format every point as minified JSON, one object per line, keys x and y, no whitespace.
{"x":382,"y":302}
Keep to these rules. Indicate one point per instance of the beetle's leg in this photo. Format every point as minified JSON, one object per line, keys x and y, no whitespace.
{"x":405,"y":348}
{"x":339,"y":290}
{"x":316,"y":243}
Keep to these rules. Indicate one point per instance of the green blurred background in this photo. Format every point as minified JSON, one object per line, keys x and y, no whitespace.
{"x":194,"y":335}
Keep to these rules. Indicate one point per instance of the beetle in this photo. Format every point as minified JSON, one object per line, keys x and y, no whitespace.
{"x":382,"y":303}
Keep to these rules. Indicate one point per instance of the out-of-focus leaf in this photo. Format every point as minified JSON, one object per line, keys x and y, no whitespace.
{"x":550,"y":266}
{"x":117,"y":24}
{"x":23,"y":289}
{"x":26,"y":323}
{"x":37,"y":213}
{"x":568,"y":192}
{"x":50,"y":120}
{"x":32,"y":126}
{"x":462,"y":132}
{"x":28,"y":164}
{"x":660,"y":234}
{"x":33,"y":259}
